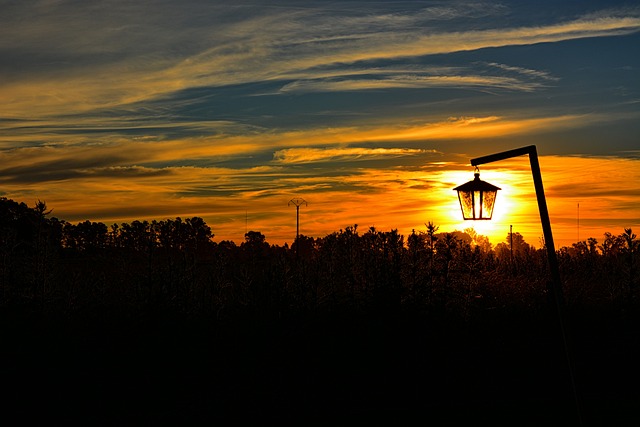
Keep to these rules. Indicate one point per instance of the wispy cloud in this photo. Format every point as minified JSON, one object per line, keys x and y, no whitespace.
{"x":106,"y":55}
{"x":68,"y":160}
{"x":410,"y":82}
{"x":310,"y":155}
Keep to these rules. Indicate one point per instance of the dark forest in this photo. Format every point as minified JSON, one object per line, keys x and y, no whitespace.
{"x":147,"y":323}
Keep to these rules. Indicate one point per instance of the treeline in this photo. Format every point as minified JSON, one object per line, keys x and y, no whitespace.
{"x":132,"y":270}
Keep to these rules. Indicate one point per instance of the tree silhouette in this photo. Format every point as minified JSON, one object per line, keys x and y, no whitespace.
{"x":631,"y":249}
{"x":173,"y":265}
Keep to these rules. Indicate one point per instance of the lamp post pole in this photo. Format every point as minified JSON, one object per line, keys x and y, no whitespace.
{"x":555,"y":285}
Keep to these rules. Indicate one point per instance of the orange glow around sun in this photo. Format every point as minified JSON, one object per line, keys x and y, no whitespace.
{"x":381,"y":196}
{"x":513,"y":202}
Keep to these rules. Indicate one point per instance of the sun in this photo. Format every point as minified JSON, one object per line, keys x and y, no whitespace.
{"x":507,"y":210}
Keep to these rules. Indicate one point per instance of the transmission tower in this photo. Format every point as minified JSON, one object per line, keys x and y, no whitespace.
{"x":297,"y":202}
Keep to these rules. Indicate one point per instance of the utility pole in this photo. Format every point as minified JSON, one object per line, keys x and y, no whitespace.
{"x":511,"y":242}
{"x":297,"y":202}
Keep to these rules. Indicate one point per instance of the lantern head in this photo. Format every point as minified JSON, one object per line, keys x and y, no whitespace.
{"x":477,"y":198}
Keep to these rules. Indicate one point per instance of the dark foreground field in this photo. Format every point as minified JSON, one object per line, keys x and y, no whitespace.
{"x":338,"y":368}
{"x":154,"y":323}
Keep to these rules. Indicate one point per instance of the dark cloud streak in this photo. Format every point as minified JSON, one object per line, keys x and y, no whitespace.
{"x":72,"y":169}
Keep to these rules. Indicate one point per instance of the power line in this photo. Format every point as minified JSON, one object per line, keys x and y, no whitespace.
{"x":578,"y":222}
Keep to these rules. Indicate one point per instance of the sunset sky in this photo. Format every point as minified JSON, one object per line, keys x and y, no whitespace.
{"x":116,"y":111}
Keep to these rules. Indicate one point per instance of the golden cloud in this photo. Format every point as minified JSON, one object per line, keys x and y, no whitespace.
{"x":309,"y":155}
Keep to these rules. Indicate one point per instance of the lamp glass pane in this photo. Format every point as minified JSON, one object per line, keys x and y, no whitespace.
{"x":466,"y":204}
{"x":477,"y":204}
{"x":488,"y":203}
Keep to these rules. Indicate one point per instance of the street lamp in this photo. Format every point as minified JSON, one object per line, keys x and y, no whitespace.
{"x":473,"y":209}
{"x":472,"y":202}
{"x":477,"y":198}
